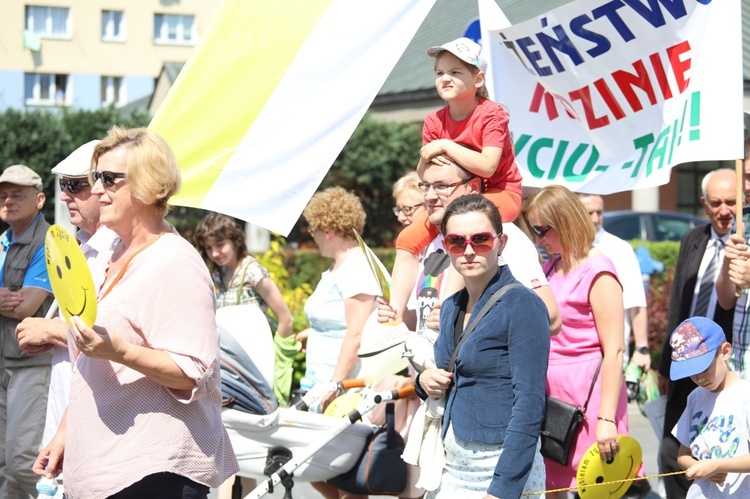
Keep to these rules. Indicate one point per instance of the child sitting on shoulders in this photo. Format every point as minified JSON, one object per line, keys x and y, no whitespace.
{"x":472,"y":131}
{"x":713,"y":431}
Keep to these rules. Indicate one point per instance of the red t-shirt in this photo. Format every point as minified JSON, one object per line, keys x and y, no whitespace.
{"x":486,"y":126}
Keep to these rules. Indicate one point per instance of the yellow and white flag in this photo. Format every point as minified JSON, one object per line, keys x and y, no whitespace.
{"x":271,"y":95}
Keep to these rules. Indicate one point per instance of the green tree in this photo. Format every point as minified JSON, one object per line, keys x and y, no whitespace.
{"x":375,"y":156}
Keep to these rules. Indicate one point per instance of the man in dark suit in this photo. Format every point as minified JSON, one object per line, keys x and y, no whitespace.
{"x":697,"y":248}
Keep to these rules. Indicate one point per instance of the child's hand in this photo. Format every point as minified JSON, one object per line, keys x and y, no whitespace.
{"x":432,"y":149}
{"x":706,"y":470}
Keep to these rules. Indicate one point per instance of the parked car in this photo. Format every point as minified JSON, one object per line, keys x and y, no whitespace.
{"x":650,"y":226}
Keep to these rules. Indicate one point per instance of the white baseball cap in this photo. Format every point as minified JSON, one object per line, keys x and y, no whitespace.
{"x":77,"y":164}
{"x":465,"y":49}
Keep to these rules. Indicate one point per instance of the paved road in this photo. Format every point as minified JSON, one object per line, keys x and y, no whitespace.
{"x":640,"y":429}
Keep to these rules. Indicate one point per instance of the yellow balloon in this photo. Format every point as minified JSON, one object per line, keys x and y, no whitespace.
{"x":593,"y":470}
{"x":69,"y":275}
{"x":342,"y":405}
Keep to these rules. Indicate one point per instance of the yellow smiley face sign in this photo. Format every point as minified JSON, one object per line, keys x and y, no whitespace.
{"x":342,"y":405}
{"x":69,"y":275}
{"x":592,"y":470}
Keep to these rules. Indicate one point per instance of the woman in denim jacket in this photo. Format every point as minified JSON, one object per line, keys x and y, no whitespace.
{"x":495,"y":405}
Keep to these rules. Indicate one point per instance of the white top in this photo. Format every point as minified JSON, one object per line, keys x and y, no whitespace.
{"x":716,"y":425}
{"x":629,"y":274}
{"x":326,"y":313}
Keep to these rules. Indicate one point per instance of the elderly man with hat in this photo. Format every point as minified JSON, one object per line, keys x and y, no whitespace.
{"x":37,"y":335}
{"x":24,"y":292}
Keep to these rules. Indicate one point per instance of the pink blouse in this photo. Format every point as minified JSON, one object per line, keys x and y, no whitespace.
{"x":122,"y":426}
{"x":578,"y":336}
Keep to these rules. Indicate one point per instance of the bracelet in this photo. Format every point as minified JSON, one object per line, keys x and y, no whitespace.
{"x":607,"y":420}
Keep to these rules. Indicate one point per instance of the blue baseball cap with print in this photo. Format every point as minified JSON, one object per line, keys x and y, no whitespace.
{"x":694,"y":343}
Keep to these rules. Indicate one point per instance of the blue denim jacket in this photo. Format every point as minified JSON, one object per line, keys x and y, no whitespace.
{"x":498,"y":390}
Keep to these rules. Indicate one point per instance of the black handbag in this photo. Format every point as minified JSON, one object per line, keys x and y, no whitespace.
{"x":562,"y":422}
{"x":380,"y":469}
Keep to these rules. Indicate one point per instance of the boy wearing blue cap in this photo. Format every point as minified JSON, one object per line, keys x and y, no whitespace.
{"x":713,"y":431}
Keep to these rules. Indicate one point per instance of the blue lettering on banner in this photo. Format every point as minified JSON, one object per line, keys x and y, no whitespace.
{"x":538,"y":52}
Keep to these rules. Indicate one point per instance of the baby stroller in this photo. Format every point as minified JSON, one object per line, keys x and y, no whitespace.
{"x":271,"y":443}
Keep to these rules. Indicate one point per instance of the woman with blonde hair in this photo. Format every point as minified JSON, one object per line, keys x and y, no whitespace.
{"x":145,"y":395}
{"x":408,"y":198}
{"x":590,"y":344}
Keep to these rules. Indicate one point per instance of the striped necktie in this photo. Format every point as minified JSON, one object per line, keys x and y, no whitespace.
{"x":708,"y":281}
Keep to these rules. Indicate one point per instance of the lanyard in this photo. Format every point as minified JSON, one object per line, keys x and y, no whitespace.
{"x":125,"y":267}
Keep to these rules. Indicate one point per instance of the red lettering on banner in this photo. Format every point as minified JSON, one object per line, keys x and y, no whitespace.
{"x":680,"y":66}
{"x":592,"y":96}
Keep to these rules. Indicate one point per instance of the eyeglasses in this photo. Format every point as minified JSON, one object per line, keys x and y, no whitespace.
{"x":540,"y":231}
{"x":107,"y":178}
{"x":440,"y":187}
{"x":72,"y":185}
{"x":406,"y":210}
{"x":481,"y":242}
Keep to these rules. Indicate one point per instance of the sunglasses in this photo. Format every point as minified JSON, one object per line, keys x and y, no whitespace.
{"x":73,"y":186}
{"x":107,"y":178}
{"x":481,"y":242}
{"x":540,"y":231}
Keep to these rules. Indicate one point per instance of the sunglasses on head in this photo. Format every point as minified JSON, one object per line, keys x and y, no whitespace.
{"x":481,"y":242}
{"x":74,"y":186}
{"x":540,"y":231}
{"x":107,"y":178}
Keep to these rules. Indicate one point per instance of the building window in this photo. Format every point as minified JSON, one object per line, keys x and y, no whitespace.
{"x":174,"y":29}
{"x":113,"y":91}
{"x":45,"y":89}
{"x":113,"y":25}
{"x":49,"y":22}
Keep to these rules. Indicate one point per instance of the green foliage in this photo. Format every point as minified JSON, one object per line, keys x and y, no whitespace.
{"x":35,"y":139}
{"x":83,"y":126}
{"x":376,"y":155}
{"x":41,"y":139}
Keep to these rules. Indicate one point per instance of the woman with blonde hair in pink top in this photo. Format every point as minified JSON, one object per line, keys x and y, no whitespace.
{"x":145,"y":399}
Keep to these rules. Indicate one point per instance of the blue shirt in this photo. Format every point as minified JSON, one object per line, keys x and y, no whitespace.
{"x":36,"y":273}
{"x":498,"y":390}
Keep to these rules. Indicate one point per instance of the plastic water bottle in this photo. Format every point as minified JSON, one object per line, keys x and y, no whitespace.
{"x":632,"y":380}
{"x":46,"y":488}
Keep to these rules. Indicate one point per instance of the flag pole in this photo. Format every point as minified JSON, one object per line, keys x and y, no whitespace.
{"x":739,"y":223}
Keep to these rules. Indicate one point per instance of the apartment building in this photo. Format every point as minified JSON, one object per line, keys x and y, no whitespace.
{"x":90,"y":54}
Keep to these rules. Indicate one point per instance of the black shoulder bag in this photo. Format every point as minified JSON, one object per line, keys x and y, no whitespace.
{"x":562,"y":422}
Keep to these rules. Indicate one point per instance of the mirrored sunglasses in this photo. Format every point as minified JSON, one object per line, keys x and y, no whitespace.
{"x":73,"y":186}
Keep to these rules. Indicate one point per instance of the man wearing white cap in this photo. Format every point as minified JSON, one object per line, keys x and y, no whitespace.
{"x":25,"y":291}
{"x":37,"y":335}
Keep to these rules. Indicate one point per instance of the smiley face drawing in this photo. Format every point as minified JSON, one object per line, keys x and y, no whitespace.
{"x":69,"y":275}
{"x":592,"y":470}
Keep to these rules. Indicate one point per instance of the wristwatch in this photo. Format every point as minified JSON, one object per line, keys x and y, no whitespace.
{"x":643,"y":349}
